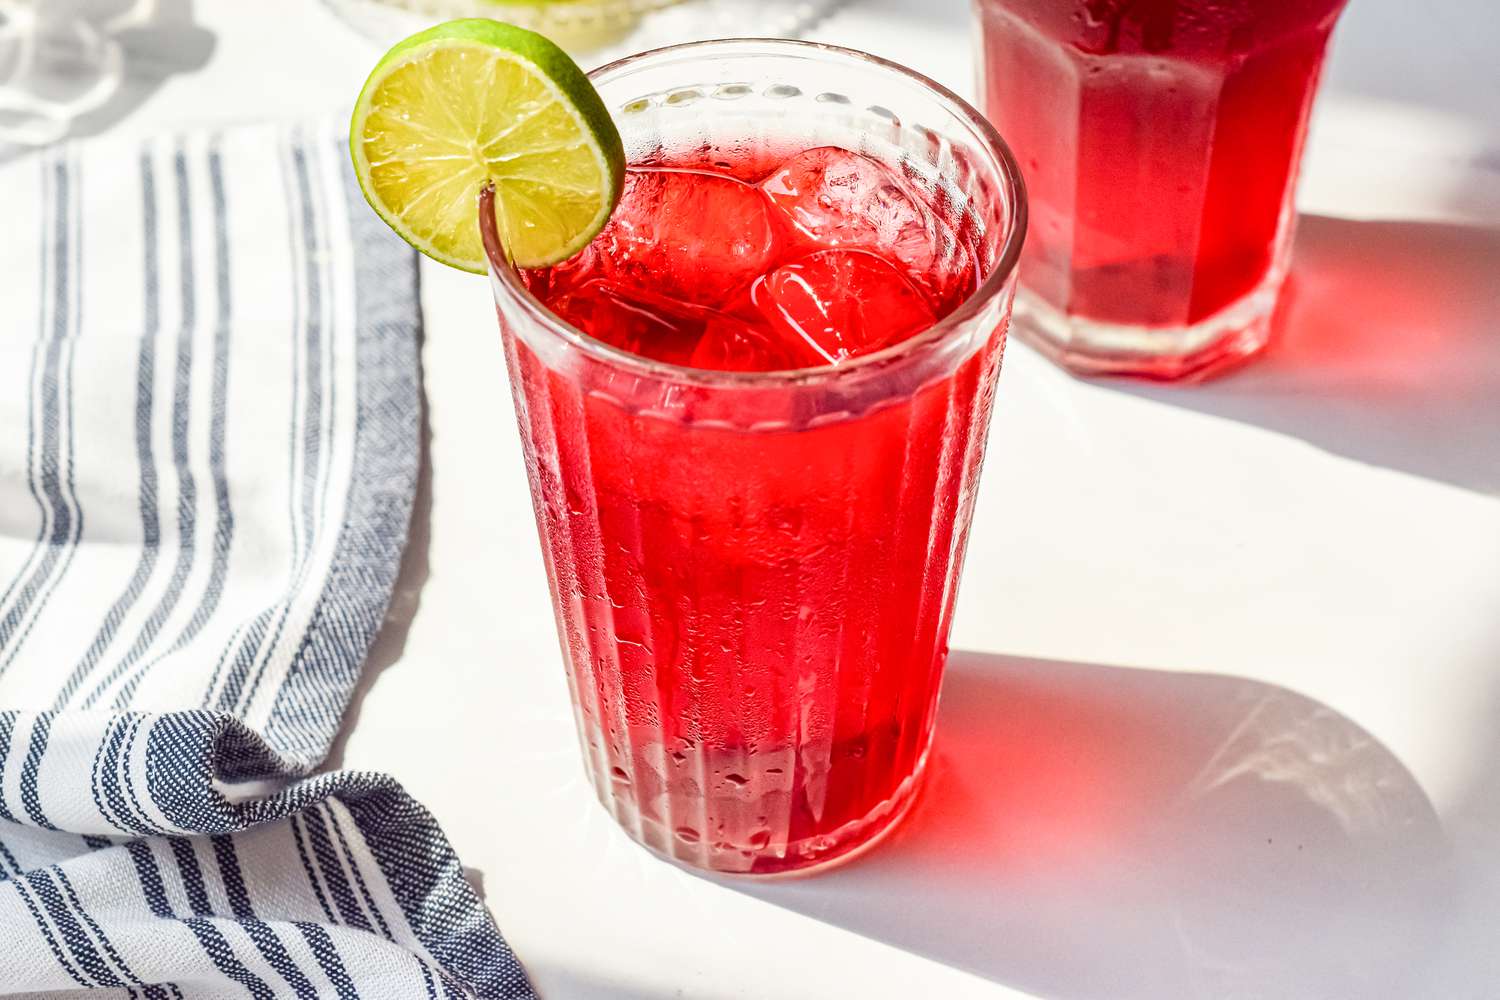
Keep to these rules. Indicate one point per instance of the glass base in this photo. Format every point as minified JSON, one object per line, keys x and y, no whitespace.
{"x":1192,"y":353}
{"x":811,"y":856}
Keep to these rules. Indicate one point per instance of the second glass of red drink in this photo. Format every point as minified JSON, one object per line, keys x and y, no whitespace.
{"x":754,"y":412}
{"x":1160,"y":140}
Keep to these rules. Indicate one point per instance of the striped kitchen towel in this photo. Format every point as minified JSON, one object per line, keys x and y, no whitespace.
{"x":208,"y":452}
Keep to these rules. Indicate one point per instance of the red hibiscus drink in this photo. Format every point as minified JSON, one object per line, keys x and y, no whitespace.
{"x":754,"y":412}
{"x":1160,"y":141}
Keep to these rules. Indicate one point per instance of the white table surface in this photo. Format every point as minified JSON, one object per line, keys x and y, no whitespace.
{"x":1223,"y":717}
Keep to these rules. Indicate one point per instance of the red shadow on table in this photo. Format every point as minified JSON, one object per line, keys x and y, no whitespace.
{"x":1387,"y":350}
{"x":1091,"y":831}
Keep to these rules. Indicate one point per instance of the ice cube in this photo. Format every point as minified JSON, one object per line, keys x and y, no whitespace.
{"x":696,"y":237}
{"x":680,"y":333}
{"x":842,"y":303}
{"x":835,"y":199}
{"x":633,"y":320}
{"x":732,"y":344}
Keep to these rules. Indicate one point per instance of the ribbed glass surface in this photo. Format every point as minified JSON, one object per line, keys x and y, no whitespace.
{"x":754,"y":621}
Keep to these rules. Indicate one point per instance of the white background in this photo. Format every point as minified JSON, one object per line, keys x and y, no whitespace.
{"x":1223,"y":718}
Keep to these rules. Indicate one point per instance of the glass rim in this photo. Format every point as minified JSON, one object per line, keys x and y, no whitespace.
{"x":502,"y":274}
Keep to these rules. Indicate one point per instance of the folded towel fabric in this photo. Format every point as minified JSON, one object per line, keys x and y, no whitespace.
{"x":209,"y":410}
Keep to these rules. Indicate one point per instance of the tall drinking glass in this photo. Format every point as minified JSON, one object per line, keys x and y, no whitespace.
{"x":1160,"y":141}
{"x":754,"y":572}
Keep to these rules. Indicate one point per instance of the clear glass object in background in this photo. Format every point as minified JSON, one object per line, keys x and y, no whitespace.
{"x":57,"y":63}
{"x":754,"y":572}
{"x":595,"y":30}
{"x":1160,"y":141}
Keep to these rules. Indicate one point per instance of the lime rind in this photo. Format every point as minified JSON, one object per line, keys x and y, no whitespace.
{"x":477,"y":102}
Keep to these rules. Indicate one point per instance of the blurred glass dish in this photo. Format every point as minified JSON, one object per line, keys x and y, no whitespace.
{"x":56,"y":64}
{"x":597,"y":29}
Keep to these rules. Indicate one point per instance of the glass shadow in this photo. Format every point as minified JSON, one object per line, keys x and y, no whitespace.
{"x":1094,"y":831}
